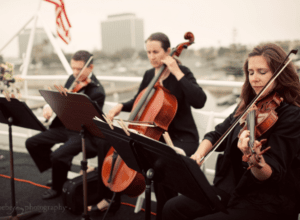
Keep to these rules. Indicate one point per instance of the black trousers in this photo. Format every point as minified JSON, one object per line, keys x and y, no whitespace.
{"x":183,"y":208}
{"x":39,"y":147}
{"x":164,"y":193}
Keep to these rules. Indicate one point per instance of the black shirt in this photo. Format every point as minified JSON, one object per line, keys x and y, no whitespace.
{"x":94,"y":90}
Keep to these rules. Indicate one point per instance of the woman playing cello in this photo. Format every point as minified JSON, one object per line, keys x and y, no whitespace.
{"x":180,"y":81}
{"x":267,"y":189}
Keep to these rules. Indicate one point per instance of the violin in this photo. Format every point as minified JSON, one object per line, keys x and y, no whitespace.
{"x":154,"y":104}
{"x":258,"y":121}
{"x":78,"y":85}
{"x":277,"y":72}
{"x":264,"y":114}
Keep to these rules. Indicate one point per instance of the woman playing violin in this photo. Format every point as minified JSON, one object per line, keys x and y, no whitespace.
{"x":180,"y":81}
{"x":267,"y":191}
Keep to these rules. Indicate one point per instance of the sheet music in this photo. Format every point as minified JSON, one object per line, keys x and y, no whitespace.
{"x":176,"y":149}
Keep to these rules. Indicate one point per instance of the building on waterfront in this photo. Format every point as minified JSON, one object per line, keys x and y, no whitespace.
{"x":41,"y":43}
{"x":122,"y":31}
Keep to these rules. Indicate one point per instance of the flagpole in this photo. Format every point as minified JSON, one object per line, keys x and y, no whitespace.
{"x":29,"y":50}
{"x":56,"y":47}
{"x":16,"y":34}
{"x":30,"y":45}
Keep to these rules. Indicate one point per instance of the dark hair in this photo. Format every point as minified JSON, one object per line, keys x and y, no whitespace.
{"x":161,"y":37}
{"x":82,"y":55}
{"x":287,"y":84}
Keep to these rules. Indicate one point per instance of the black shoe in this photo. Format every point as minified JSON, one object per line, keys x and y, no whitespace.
{"x":49,"y":183}
{"x":94,"y":209}
{"x":50,"y":194}
{"x":113,"y":208}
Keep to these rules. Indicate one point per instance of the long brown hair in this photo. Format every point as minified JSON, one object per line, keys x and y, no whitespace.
{"x":287,"y":83}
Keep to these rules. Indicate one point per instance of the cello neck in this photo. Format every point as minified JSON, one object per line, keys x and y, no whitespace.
{"x":148,"y":92}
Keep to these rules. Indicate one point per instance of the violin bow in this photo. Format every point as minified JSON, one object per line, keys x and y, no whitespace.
{"x":86,"y":64}
{"x":279,"y":69}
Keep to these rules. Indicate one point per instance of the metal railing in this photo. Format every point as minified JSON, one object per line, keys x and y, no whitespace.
{"x":207,"y":119}
{"x":25,"y":96}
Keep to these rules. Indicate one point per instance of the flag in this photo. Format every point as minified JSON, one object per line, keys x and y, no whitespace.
{"x":62,"y":22}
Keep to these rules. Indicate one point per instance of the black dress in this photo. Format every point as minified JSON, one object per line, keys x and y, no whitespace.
{"x":245,"y":196}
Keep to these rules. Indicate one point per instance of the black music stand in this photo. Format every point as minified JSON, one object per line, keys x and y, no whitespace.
{"x":17,"y":113}
{"x":158,"y":162}
{"x":76,"y":111}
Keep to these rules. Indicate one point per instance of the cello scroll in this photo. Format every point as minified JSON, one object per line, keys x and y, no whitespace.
{"x":188,"y":36}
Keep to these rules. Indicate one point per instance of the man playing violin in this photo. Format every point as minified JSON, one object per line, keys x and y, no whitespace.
{"x":39,"y":146}
{"x":268,"y":188}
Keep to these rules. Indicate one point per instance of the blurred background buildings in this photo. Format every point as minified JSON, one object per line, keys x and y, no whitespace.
{"x":121,"y":31}
{"x":41,"y":42}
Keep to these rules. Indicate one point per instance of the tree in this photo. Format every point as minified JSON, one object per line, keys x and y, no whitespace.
{"x":187,"y":53}
{"x":126,"y":53}
{"x":143,"y":55}
{"x":38,"y":51}
{"x":98,"y":54}
{"x":223,"y":51}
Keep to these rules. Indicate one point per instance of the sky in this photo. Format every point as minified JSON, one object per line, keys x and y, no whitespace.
{"x":211,"y":21}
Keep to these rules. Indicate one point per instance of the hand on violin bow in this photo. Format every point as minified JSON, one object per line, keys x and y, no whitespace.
{"x":197,"y":158}
{"x":173,"y":67}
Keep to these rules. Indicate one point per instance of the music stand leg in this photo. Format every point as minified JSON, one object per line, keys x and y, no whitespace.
{"x":149,"y":177}
{"x":14,"y":214}
{"x":85,"y":215}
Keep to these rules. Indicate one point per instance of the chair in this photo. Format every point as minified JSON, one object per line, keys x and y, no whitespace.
{"x":140,"y":201}
{"x":205,"y":122}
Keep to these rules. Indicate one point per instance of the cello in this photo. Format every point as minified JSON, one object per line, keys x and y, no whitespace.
{"x":155,"y":104}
